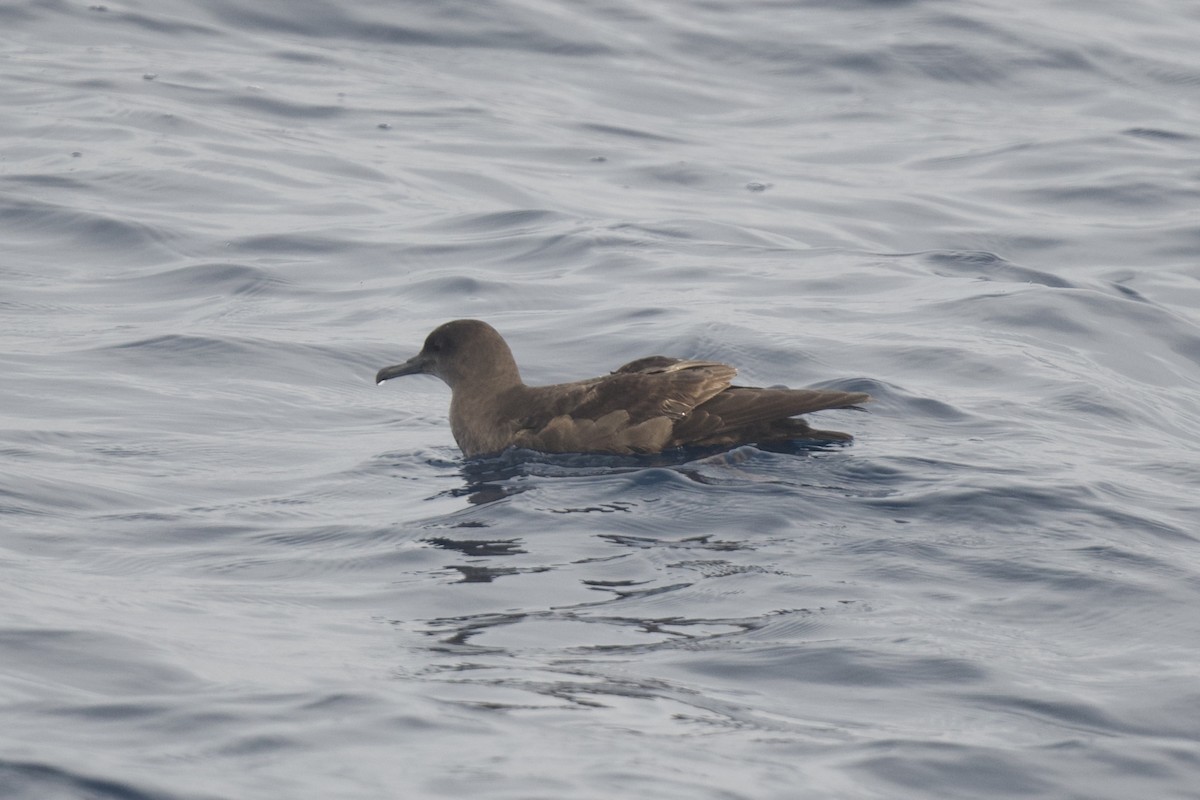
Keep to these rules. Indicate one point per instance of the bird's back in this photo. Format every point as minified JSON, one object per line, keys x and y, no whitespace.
{"x":659,"y":403}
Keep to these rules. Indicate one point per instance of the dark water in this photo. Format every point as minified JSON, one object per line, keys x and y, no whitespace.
{"x":231,"y":567}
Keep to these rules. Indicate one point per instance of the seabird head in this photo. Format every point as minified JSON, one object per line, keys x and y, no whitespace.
{"x":458,"y":350}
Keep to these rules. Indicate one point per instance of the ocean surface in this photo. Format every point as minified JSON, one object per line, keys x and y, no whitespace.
{"x":232,"y":567}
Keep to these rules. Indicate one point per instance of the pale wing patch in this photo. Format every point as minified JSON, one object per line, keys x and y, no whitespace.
{"x":693,"y":383}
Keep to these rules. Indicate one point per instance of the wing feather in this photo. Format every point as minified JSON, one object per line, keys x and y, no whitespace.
{"x":658,"y":402}
{"x":743,"y":407}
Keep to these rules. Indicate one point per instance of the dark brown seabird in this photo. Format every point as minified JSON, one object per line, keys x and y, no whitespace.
{"x":647,"y":406}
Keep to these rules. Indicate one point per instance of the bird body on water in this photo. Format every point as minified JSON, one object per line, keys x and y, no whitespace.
{"x":647,"y":406}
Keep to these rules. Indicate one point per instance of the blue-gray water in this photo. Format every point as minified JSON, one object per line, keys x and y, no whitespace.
{"x":232,"y":567}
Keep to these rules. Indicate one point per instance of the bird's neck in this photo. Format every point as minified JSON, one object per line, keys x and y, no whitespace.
{"x":486,"y":394}
{"x":481,"y":415}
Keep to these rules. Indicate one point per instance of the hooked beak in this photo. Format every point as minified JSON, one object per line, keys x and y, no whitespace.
{"x":413,"y":366}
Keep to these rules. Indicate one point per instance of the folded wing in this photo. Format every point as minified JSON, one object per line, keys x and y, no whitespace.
{"x":658,"y":403}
